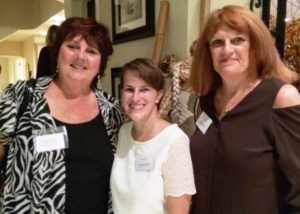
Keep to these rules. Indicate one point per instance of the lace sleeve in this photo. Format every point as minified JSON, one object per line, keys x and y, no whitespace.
{"x":178,"y":171}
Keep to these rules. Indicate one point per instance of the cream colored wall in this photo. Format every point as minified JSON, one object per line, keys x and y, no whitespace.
{"x":30,"y":54}
{"x":215,"y":4}
{"x":218,"y":4}
{"x":11,"y":49}
{"x":181,"y":30}
{"x":26,"y":50}
{"x":4,"y":76}
{"x":193,"y":22}
{"x":12,"y":68}
{"x":13,"y":62}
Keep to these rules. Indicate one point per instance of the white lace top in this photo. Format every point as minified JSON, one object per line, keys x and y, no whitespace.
{"x":144,"y":173}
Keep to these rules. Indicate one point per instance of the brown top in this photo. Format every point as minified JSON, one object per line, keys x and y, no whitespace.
{"x":248,"y":162}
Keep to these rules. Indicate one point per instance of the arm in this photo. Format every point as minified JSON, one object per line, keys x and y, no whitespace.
{"x":8,"y":113}
{"x":179,"y":205}
{"x":16,"y":190}
{"x":287,"y":96}
{"x":287,"y":144}
{"x":179,"y":177}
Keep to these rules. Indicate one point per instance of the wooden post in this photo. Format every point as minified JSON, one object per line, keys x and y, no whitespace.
{"x":160,"y":31}
{"x":204,"y":12}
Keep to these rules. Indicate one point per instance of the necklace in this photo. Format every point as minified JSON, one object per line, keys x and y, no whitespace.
{"x":235,"y":98}
{"x":226,"y":109}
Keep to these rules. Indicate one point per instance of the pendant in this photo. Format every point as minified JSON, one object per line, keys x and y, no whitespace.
{"x":226,"y":109}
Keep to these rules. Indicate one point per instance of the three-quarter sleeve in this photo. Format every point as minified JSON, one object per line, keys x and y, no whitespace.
{"x":8,"y":112}
{"x":287,"y":145}
{"x":178,"y":171}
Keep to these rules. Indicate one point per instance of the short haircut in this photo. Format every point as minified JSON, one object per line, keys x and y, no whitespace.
{"x":145,"y":69}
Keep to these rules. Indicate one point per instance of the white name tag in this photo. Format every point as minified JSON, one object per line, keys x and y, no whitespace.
{"x":55,"y":138}
{"x":50,"y":142}
{"x":203,"y":122}
{"x":144,"y":162}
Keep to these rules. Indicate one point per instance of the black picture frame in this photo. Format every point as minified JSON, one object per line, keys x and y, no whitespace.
{"x":91,"y":8}
{"x":133,"y":20}
{"x":115,"y":82}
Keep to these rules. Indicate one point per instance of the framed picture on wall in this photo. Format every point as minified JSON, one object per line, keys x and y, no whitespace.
{"x":115,"y":82}
{"x":91,"y":8}
{"x":132,"y":19}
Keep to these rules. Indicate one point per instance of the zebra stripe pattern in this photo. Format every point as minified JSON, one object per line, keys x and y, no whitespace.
{"x":35,"y":182}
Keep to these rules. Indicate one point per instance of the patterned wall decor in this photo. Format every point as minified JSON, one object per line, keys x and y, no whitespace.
{"x":283,"y":19}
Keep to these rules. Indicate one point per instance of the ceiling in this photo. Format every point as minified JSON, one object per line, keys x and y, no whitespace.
{"x":29,"y":18}
{"x":22,"y":35}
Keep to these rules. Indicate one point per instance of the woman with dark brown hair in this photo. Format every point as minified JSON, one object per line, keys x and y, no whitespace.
{"x":61,"y":150}
{"x":152,"y":170}
{"x":246,"y":149}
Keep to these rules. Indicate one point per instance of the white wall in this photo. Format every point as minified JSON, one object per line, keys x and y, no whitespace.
{"x":218,"y":4}
{"x":30,"y":54}
{"x":13,"y":69}
{"x":193,"y":22}
{"x":244,"y":3}
{"x":4,"y":73}
{"x":181,"y":30}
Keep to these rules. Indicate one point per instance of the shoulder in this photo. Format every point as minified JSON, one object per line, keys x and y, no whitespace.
{"x":126,"y":126}
{"x":107,"y":101}
{"x":287,"y":96}
{"x":107,"y":98}
{"x":176,"y":133}
{"x":110,"y":108}
{"x":13,"y":90}
{"x":125,"y":131}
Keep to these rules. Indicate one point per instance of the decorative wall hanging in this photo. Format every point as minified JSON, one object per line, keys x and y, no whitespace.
{"x":283,"y":20}
{"x":115,"y":82}
{"x":132,"y":19}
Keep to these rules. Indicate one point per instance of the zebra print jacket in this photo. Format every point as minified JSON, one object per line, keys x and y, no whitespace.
{"x":35,"y":182}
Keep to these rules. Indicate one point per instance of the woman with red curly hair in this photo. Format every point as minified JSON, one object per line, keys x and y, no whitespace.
{"x":246,"y":149}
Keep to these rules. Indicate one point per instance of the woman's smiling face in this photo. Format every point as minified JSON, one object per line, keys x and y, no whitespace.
{"x":230,"y":52}
{"x":78,"y":61}
{"x":139,"y":99}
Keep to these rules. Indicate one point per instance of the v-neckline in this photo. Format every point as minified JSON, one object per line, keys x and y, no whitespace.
{"x":237,"y":106}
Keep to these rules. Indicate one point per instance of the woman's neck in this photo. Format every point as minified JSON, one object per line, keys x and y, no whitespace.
{"x":144,"y":131}
{"x":72,"y":90}
{"x":228,"y":96}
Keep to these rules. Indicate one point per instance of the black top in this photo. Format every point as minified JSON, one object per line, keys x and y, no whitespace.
{"x":88,"y":164}
{"x":248,"y":162}
{"x":44,"y":65}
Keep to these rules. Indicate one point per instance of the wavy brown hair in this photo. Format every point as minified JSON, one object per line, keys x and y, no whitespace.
{"x":96,"y":35}
{"x":264,"y":60}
